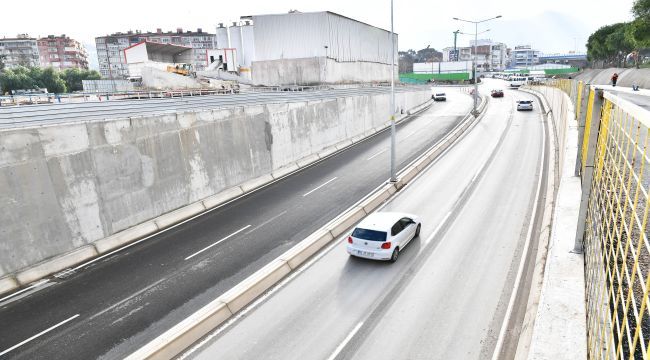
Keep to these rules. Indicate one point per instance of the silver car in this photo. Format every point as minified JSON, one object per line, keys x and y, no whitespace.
{"x":525,"y":105}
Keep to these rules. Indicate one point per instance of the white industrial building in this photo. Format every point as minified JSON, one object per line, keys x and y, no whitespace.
{"x":309,"y":48}
{"x":443,"y":67}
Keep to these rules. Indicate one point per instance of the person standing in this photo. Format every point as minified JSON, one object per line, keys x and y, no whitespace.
{"x":614,"y":79}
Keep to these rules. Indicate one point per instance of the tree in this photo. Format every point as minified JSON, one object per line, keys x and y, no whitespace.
{"x":15,"y":79}
{"x":3,"y":58}
{"x":51,"y":80}
{"x":609,"y":43}
{"x":406,"y":60}
{"x":74,"y":78}
{"x":641,"y":9}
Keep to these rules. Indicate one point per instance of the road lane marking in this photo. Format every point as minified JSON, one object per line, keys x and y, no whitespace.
{"x":435,"y":232}
{"x":218,"y":242}
{"x":242,"y":313}
{"x":408,"y":136}
{"x":130,"y":297}
{"x":39,"y":334}
{"x":345,"y":341}
{"x":524,"y":255}
{"x":266,"y":222}
{"x":377,"y":154}
{"x":329,"y":181}
{"x":23,"y":290}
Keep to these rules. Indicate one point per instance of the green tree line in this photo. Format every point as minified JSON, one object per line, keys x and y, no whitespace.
{"x":611,"y":43}
{"x":55,"y":81}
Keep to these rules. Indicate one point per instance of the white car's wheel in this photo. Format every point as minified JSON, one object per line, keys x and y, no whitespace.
{"x":395,"y":255}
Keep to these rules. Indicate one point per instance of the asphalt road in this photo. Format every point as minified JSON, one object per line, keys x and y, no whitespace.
{"x":112,"y":307}
{"x":47,"y":114}
{"x":447,"y":295}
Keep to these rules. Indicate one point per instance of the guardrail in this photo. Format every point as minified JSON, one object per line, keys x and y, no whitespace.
{"x":613,"y":163}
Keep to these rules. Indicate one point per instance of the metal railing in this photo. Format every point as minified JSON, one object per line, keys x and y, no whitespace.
{"x":614,"y":168}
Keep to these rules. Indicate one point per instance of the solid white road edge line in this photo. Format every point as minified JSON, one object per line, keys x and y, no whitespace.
{"x":522,"y":262}
{"x":218,"y":242}
{"x":377,"y":154}
{"x":37,"y":335}
{"x":266,"y":222}
{"x":23,"y":290}
{"x":435,"y":232}
{"x":327,"y":182}
{"x":345,"y":341}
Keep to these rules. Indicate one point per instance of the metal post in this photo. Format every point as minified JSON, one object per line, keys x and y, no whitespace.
{"x":588,"y":173}
{"x":475,"y":70}
{"x":393,"y":175}
{"x":581,"y":126}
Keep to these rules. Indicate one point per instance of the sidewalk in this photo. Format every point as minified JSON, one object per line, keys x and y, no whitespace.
{"x":559,"y":330}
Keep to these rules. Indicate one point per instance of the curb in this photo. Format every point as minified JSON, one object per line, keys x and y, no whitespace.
{"x":532,"y":304}
{"x":114,"y":242}
{"x":172,"y":342}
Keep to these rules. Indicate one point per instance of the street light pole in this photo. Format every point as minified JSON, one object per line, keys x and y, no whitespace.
{"x":393,"y":175}
{"x":475,"y":111}
{"x":475,"y":69}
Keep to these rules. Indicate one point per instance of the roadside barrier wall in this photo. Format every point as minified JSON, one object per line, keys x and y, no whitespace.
{"x":612,"y":227}
{"x":75,"y":190}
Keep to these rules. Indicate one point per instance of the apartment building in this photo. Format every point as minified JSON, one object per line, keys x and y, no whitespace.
{"x":490,"y":55}
{"x":523,"y":56}
{"x":110,"y":48}
{"x":62,"y":52}
{"x":20,"y":51}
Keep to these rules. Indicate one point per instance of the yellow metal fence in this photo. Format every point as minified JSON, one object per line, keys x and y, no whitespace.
{"x":616,"y":247}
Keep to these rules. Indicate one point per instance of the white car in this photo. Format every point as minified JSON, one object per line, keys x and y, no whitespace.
{"x":439,"y":97}
{"x":526,"y":105}
{"x":382,"y":235}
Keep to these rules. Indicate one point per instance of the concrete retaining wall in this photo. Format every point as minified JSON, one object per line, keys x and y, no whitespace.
{"x":68,"y":186}
{"x":626,"y":77}
{"x":318,"y":70}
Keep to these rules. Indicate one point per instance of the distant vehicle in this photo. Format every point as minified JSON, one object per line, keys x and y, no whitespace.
{"x":496,"y":93}
{"x":525,"y":105}
{"x":439,"y":97}
{"x":382,"y":235}
{"x":517,"y":81}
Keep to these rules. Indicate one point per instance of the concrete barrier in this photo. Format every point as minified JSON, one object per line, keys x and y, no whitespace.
{"x":108,"y":183}
{"x":222,"y":197}
{"x":306,"y":248}
{"x":49,"y":267}
{"x":7,"y":284}
{"x":246,"y":292}
{"x":179,"y":215}
{"x":124,"y":237}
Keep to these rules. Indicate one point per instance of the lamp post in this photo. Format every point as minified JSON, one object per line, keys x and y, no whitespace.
{"x":475,"y":56}
{"x":393,"y":175}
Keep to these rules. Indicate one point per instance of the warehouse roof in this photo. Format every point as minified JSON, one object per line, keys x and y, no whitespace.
{"x":167,"y":49}
{"x":315,"y":12}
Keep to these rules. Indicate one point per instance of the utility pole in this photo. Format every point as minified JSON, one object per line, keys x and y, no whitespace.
{"x":455,"y":49}
{"x":475,"y":111}
{"x":393,"y":174}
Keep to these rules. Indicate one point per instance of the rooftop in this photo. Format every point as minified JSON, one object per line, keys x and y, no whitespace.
{"x":158,"y":32}
{"x":296,"y":12}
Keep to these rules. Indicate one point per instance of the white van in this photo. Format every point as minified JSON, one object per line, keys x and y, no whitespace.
{"x":517,"y":81}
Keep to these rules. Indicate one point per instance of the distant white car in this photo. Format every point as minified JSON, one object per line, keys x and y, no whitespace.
{"x":439,"y":96}
{"x":525,"y":105}
{"x":382,"y":235}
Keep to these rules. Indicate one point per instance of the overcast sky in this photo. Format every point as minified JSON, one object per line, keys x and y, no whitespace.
{"x":548,"y":25}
